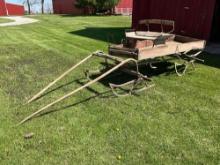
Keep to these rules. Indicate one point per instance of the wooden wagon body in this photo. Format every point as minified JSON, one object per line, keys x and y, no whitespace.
{"x":179,"y":44}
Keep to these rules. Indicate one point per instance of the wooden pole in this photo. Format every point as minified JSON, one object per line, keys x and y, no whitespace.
{"x":59,"y":78}
{"x":78,"y":89}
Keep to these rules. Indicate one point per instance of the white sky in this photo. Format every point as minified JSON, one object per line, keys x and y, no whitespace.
{"x":35,"y":8}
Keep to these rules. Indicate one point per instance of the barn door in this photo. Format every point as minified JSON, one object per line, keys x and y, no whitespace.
{"x":186,"y":16}
{"x":193,"y":18}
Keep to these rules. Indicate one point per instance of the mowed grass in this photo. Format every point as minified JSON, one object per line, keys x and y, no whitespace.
{"x":5,"y":20}
{"x":176,"y":122}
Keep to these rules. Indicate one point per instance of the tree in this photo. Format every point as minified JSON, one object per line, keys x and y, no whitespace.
{"x":97,"y":5}
{"x":87,"y":5}
{"x":105,"y":5}
{"x":111,"y":4}
{"x":42,"y":6}
{"x":84,"y":3}
{"x":29,"y":4}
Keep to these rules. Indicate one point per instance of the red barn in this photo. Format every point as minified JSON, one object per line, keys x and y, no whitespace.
{"x":195,"y":18}
{"x":2,"y":8}
{"x":124,"y":7}
{"x":68,"y":7}
{"x":10,"y":9}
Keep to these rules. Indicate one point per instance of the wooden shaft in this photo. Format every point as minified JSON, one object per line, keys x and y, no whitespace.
{"x":128,"y":71}
{"x":77,"y":90}
{"x":117,"y":59}
{"x":59,"y":78}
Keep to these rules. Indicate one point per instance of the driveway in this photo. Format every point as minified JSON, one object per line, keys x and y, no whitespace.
{"x":18,"y":20}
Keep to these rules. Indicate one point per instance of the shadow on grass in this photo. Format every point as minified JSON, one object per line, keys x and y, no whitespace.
{"x":70,"y":15}
{"x":88,"y":15}
{"x":106,"y":94}
{"x":117,"y":77}
{"x":106,"y":34}
{"x":55,"y":89}
{"x":212,"y":60}
{"x":75,"y":15}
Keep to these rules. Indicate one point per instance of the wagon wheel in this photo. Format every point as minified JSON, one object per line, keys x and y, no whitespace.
{"x":134,"y":86}
{"x":189,"y":60}
{"x":192,"y":58}
{"x":184,"y":64}
{"x":192,"y":62}
{"x":183,"y":71}
{"x":142,"y":82}
{"x":114,"y":87}
{"x":152,"y":66}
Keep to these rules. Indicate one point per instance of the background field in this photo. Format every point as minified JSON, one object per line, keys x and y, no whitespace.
{"x":176,"y":122}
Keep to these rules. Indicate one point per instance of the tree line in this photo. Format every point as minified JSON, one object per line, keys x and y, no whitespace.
{"x":97,"y":6}
{"x":30,"y":3}
{"x":92,"y":6}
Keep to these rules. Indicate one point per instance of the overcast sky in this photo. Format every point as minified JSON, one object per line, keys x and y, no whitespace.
{"x":36,"y":8}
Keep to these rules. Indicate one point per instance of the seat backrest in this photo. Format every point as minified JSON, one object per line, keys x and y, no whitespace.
{"x":162,"y":23}
{"x":155,"y":21}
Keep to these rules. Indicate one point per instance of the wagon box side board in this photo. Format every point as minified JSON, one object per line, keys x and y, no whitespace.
{"x":179,"y":44}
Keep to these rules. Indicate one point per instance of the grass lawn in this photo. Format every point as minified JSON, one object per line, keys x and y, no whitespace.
{"x":176,"y":122}
{"x":5,"y":20}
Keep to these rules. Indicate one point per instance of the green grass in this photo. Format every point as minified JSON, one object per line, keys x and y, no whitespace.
{"x":5,"y":20}
{"x":176,"y":122}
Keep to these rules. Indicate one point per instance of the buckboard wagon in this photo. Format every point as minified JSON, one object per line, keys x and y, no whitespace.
{"x":138,"y":48}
